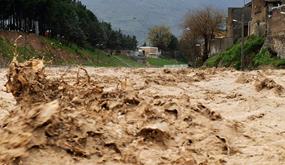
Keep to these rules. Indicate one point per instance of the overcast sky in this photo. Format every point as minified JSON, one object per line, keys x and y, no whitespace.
{"x":135,"y":17}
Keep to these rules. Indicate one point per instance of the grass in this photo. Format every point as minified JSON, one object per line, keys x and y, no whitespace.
{"x":232,"y":56}
{"x":27,"y":52}
{"x":255,"y":56}
{"x":264,"y":58}
{"x":102,"y":59}
{"x":214,"y":60}
{"x":6,"y":52}
{"x":75,"y":55}
{"x":24,"y":52}
{"x":129,"y":61}
{"x":6,"y":49}
{"x":160,"y":62}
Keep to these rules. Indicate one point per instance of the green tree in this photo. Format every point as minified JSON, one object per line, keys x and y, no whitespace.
{"x":160,"y":36}
{"x":68,"y":19}
{"x":174,"y":43}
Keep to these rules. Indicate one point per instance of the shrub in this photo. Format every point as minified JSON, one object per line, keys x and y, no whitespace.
{"x":232,"y":56}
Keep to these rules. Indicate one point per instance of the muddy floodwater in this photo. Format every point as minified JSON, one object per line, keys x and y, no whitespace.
{"x":141,"y":116}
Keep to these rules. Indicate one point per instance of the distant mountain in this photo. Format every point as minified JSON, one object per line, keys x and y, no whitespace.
{"x":135,"y":17}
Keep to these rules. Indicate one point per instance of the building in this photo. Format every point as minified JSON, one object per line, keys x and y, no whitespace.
{"x":275,"y":38}
{"x":221,"y":42}
{"x":150,"y":51}
{"x":260,"y":13}
{"x":276,"y":22}
{"x":234,"y":22}
{"x":262,"y":18}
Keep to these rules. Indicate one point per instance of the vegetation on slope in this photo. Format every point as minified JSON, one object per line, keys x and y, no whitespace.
{"x":264,"y":57}
{"x":160,"y":62}
{"x":254,"y":56}
{"x":61,"y":54}
{"x":57,"y":53}
{"x":25,"y":52}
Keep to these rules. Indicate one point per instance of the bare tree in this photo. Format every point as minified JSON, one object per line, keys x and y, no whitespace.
{"x":187,"y":45}
{"x":201,"y":25}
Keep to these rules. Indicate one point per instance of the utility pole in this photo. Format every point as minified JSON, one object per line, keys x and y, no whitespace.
{"x":242,"y":38}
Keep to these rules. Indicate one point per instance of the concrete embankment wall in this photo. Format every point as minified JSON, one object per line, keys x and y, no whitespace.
{"x":219,"y":45}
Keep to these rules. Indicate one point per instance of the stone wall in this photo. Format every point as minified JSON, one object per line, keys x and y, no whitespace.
{"x":260,"y":14}
{"x":277,"y":45}
{"x":276,"y":24}
{"x":276,"y":32}
{"x":259,"y":17}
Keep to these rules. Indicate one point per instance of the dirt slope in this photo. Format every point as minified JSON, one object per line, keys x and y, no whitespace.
{"x":142,"y":116}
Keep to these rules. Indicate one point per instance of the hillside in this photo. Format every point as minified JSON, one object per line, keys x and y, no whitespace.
{"x":57,"y":53}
